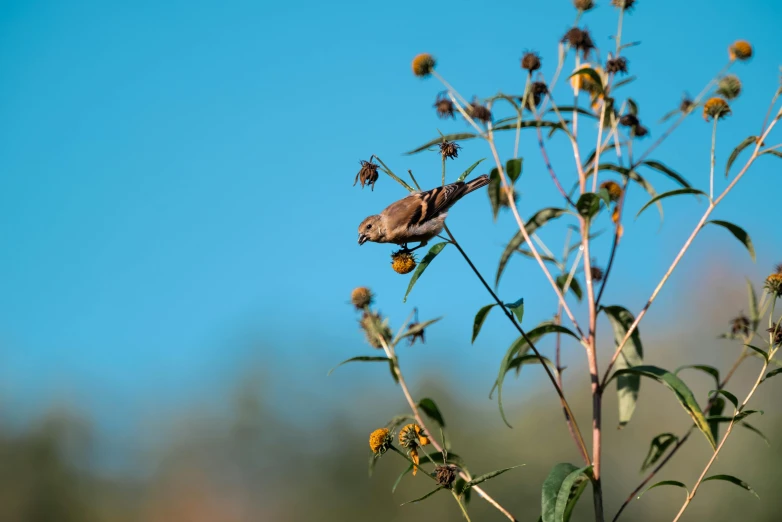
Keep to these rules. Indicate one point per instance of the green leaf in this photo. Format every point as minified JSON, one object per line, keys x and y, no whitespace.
{"x":570,"y":108}
{"x":469,"y":170}
{"x":480,"y":317}
{"x":574,"y":286}
{"x":666,"y":483}
{"x":517,"y":308}
{"x":664,"y":195}
{"x":438,"y":140}
{"x":360,"y":358}
{"x":428,"y":258}
{"x":733,"y":480}
{"x":417,"y":329}
{"x":773,"y":152}
{"x":624,"y":81}
{"x":732,"y":398}
{"x":633,"y":175}
{"x":490,"y":475}
{"x":772,"y":373}
{"x":632,"y":107}
{"x":396,"y":178}
{"x":513,"y":169}
{"x":733,"y":418}
{"x":754,"y":314}
{"x":757,"y":431}
{"x":749,"y":140}
{"x":715,"y":410}
{"x":535,"y":222}
{"x":739,"y":233}
{"x":593,"y":75}
{"x":561,"y":491}
{"x":627,"y":386}
{"x":518,"y":362}
{"x":757,"y":350}
{"x":657,"y":449}
{"x":711,"y":370}
{"x":422,"y":498}
{"x":429,"y":407}
{"x":588,"y":205}
{"x":660,"y":167}
{"x":681,"y":391}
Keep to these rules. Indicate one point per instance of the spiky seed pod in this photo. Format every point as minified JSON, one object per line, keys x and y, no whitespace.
{"x":380,"y":441}
{"x":584,"y":5}
{"x":623,"y":4}
{"x":417,"y":336}
{"x":479,"y":112}
{"x":530,"y":62}
{"x":444,"y":107}
{"x":597,"y":274}
{"x":423,"y":65}
{"x":367,"y":175}
{"x":403,"y":261}
{"x":449,"y":149}
{"x":580,"y":40}
{"x":535,"y":95}
{"x":361,"y":297}
{"x":773,"y":284}
{"x":740,"y":50}
{"x":640,"y":131}
{"x":715,"y":108}
{"x":629,"y":120}
{"x":376,"y":329}
{"x":617,"y":65}
{"x":445,"y":475}
{"x":778,"y":268}
{"x":729,"y":87}
{"x":740,"y":325}
{"x":777,"y":340}
{"x":686,"y":105}
{"x":613,"y":188}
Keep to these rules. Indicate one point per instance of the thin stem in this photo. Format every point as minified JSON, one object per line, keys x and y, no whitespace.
{"x":443,"y":155}
{"x":579,"y":439}
{"x":521,"y":115}
{"x":576,"y":153}
{"x":597,"y":150}
{"x":713,"y":146}
{"x":461,"y":506}
{"x":619,"y":31}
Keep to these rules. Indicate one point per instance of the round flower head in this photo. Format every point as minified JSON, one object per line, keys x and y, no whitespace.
{"x":413,"y":437}
{"x":423,"y":65}
{"x":715,"y":108}
{"x":367,"y":175}
{"x":535,"y":95}
{"x":380,"y":441}
{"x":623,"y":4}
{"x":530,"y":62}
{"x":580,"y":40}
{"x":778,"y":268}
{"x":376,"y":329}
{"x":449,"y":149}
{"x":740,"y":50}
{"x":597,"y":274}
{"x":774,"y":284}
{"x":479,"y":112}
{"x":729,"y":87}
{"x":613,"y":188}
{"x":740,"y":325}
{"x":617,"y":65}
{"x":444,"y":107}
{"x":445,"y":475}
{"x":361,"y":297}
{"x":402,"y":261}
{"x":583,"y":5}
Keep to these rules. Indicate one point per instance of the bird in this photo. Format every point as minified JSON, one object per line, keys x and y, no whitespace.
{"x":417,"y":217}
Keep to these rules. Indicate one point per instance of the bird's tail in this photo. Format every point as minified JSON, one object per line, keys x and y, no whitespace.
{"x":475,"y":184}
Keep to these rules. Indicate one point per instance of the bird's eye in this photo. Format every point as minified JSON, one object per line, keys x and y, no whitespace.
{"x":369,"y":226}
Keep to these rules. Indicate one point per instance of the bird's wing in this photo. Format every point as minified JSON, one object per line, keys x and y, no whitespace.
{"x":418,"y":208}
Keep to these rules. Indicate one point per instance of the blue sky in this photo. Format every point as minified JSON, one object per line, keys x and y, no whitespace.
{"x":176,"y":199}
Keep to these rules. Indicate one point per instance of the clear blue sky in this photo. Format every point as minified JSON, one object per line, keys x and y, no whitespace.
{"x":176,"y":198}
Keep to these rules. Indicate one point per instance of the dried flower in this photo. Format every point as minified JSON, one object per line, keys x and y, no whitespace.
{"x":580,"y":40}
{"x":777,"y":333}
{"x":479,"y":112}
{"x":445,"y":475}
{"x":380,"y":441}
{"x":413,"y":437}
{"x":423,"y":65}
{"x":774,"y":284}
{"x":403,"y":261}
{"x":535,"y":95}
{"x":778,"y":268}
{"x":417,"y":335}
{"x":376,"y":329}
{"x":449,"y":149}
{"x":444,"y":107}
{"x":687,"y":104}
{"x":617,"y":65}
{"x":613,"y":188}
{"x":729,"y":87}
{"x":530,"y":62}
{"x":623,"y":4}
{"x":629,"y":120}
{"x":715,"y":108}
{"x":583,"y":5}
{"x":597,"y":274}
{"x":740,"y":325}
{"x":640,"y":131}
{"x":740,"y":50}
{"x":367,"y":175}
{"x":361,"y":297}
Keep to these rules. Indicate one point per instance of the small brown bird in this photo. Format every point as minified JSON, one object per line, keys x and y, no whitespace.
{"x":417,"y":217}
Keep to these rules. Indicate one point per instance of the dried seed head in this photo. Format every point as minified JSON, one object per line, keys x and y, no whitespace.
{"x":740,"y":325}
{"x":617,"y":65}
{"x":403,"y":261}
{"x":444,"y":107}
{"x":580,"y":40}
{"x":777,"y":333}
{"x":423,"y":65}
{"x":449,"y":149}
{"x":583,"y":5}
{"x":640,"y":131}
{"x":597,"y":274}
{"x":715,"y":108}
{"x":687,"y":104}
{"x":479,"y":112}
{"x":361,"y":297}
{"x":613,"y":188}
{"x":376,"y":329}
{"x":367,"y":175}
{"x":740,"y":50}
{"x":530,"y":62}
{"x":535,"y":95}
{"x":380,"y":441}
{"x":778,"y":268}
{"x":629,"y":120}
{"x":445,"y":475}
{"x":729,"y":87}
{"x":623,"y":4}
{"x":417,"y":335}
{"x":774,"y":284}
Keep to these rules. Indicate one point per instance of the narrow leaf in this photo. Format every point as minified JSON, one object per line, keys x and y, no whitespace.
{"x":772,"y":373}
{"x":715,"y":410}
{"x":428,"y":258}
{"x":681,"y":391}
{"x":773,"y":152}
{"x":757,"y":431}
{"x":417,"y":328}
{"x":711,"y":370}
{"x":490,"y":475}
{"x":558,"y":489}
{"x":660,"y":167}
{"x":664,"y":195}
{"x":419,"y":499}
{"x":569,"y":493}
{"x":480,"y":317}
{"x":624,"y":81}
{"x":739,"y":233}
{"x":360,"y":358}
{"x":749,"y":140}
{"x":666,"y":483}
{"x":657,"y":449}
{"x":593,"y":75}
{"x":396,"y":178}
{"x":627,"y":386}
{"x":469,"y":170}
{"x":733,"y":480}
{"x":574,"y":286}
{"x":518,"y":362}
{"x":517,"y":308}
{"x":432,"y":411}
{"x":438,"y":140}
{"x":732,"y":398}
{"x":757,"y":350}
{"x":754,"y":314}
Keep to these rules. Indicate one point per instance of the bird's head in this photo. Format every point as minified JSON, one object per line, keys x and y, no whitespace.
{"x":371,"y":229}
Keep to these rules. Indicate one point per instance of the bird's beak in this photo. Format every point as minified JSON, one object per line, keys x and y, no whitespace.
{"x":362,"y":239}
